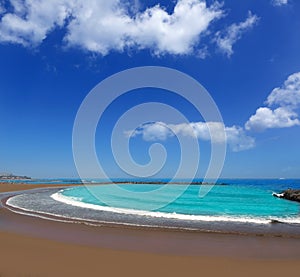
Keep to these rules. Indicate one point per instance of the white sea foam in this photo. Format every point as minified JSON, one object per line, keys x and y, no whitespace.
{"x":71,"y":219}
{"x":279,"y":195}
{"x":58,"y":196}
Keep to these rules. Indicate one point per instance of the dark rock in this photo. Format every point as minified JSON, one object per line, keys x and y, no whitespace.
{"x":289,"y":194}
{"x":274,"y":221}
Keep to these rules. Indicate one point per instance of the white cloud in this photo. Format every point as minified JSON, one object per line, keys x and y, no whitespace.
{"x":279,"y":2}
{"x":101,"y":26}
{"x":152,"y":131}
{"x":288,"y":94}
{"x":18,"y":6}
{"x":235,"y":136}
{"x":32,"y":20}
{"x":176,"y":33}
{"x":233,"y":33}
{"x":286,"y":100}
{"x":265,"y":118}
{"x":202,"y":53}
{"x":238,"y":140}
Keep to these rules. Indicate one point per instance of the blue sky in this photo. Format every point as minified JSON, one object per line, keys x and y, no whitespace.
{"x":245,"y":53}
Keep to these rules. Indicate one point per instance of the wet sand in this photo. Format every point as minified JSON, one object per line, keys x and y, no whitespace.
{"x":6,"y":187}
{"x":36,"y":247}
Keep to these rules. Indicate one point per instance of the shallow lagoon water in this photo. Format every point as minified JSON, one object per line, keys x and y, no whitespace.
{"x":221,"y":202}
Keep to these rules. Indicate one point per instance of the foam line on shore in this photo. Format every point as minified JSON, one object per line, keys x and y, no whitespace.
{"x":71,"y":219}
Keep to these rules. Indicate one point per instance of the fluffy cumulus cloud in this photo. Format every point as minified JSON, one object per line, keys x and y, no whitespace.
{"x":282,"y":107}
{"x":288,"y":94}
{"x":101,"y":26}
{"x":279,"y":2}
{"x":216,"y":132}
{"x":32,"y":20}
{"x":226,"y":39}
{"x":265,"y":118}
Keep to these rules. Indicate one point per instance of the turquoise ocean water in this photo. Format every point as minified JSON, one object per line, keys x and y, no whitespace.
{"x":243,"y":206}
{"x":237,"y":200}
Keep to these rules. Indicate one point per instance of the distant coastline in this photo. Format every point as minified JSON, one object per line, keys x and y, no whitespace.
{"x":149,"y":182}
{"x":13,"y":177}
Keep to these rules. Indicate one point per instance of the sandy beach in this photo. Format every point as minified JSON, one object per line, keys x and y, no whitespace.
{"x":37,"y":247}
